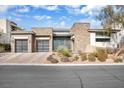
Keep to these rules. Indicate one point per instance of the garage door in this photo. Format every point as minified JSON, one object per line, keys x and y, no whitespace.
{"x":42,"y":45}
{"x":21,"y":45}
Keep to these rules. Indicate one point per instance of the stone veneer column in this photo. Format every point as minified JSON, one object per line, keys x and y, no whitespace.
{"x":81,"y":36}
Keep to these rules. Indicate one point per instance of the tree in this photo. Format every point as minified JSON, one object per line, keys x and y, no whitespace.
{"x":111,"y":17}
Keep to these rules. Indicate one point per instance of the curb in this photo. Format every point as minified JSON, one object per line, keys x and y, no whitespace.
{"x":113,"y":64}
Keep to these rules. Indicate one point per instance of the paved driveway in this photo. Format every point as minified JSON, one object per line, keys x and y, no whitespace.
{"x":62,"y":76}
{"x":22,"y":57}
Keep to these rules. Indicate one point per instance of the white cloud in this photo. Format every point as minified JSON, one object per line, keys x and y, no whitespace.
{"x":23,"y":9}
{"x":17,"y":19}
{"x":5,"y":8}
{"x":47,"y":7}
{"x":89,"y":9}
{"x":93,"y":23}
{"x":62,"y":23}
{"x":37,"y":17}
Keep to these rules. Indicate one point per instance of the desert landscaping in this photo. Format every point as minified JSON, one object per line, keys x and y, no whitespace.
{"x":99,"y":55}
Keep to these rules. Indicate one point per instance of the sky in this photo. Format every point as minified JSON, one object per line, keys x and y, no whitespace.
{"x":57,"y":16}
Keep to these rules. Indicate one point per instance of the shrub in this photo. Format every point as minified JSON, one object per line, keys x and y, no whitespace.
{"x":4,"y":47}
{"x":92,"y":57}
{"x":101,"y":54}
{"x":64,"y":51}
{"x":83,"y":56}
{"x":117,"y":60}
{"x":76,"y":58}
{"x":110,"y":50}
{"x":7,"y":47}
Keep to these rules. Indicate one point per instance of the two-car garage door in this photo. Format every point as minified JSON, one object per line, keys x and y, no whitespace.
{"x":21,"y":45}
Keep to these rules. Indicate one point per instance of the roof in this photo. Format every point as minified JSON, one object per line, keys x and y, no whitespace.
{"x":103,"y":30}
{"x":22,"y":32}
{"x":61,"y":29}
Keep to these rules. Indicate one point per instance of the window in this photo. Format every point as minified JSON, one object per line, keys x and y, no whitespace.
{"x":61,"y":41}
{"x":102,"y":39}
{"x":102,"y":34}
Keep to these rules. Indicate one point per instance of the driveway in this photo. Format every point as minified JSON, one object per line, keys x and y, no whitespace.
{"x":22,"y":57}
{"x":62,"y":76}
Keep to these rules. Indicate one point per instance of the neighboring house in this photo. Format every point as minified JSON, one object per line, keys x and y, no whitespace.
{"x":6,"y":27}
{"x":78,"y":38}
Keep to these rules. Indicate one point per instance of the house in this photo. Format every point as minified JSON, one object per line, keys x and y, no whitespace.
{"x":78,"y":38}
{"x":6,"y":27}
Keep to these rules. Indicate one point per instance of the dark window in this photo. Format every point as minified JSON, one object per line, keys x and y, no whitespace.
{"x":61,"y":41}
{"x":102,"y":39}
{"x":102,"y":34}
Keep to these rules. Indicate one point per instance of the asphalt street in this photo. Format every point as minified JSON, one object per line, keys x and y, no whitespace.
{"x":62,"y":76}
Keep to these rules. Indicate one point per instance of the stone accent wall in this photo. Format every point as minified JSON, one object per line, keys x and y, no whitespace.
{"x":81,"y":36}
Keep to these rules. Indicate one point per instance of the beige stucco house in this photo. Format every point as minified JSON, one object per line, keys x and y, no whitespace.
{"x":78,"y":38}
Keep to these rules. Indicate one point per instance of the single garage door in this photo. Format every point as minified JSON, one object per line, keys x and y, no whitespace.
{"x":21,"y":45}
{"x":42,"y":45}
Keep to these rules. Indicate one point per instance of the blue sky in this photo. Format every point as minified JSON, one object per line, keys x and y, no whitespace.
{"x":57,"y":16}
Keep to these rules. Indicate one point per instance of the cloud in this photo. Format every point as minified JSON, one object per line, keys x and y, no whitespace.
{"x":91,"y":9}
{"x":37,"y":17}
{"x":86,"y":10}
{"x":62,"y":23}
{"x":5,"y":8}
{"x":18,"y":19}
{"x":23,"y":9}
{"x":47,"y":7}
{"x":94,"y":23}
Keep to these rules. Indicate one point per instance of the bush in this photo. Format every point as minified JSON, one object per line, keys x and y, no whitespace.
{"x":7,"y":47}
{"x":76,"y":58}
{"x":110,"y":50}
{"x":64,"y":51}
{"x":92,"y":57}
{"x":83,"y":56}
{"x":117,"y":60}
{"x":4,"y":47}
{"x":101,"y":54}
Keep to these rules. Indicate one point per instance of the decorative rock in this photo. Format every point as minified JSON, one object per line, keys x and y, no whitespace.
{"x":51,"y":59}
{"x":65,"y":59}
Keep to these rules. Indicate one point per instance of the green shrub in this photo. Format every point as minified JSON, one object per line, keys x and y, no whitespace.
{"x":76,"y":58}
{"x":117,"y":60}
{"x":101,"y":54}
{"x":2,"y":49}
{"x":64,"y":51}
{"x":83,"y":56}
{"x":92,"y":57}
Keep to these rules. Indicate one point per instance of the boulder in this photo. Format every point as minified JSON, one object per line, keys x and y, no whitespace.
{"x":65,"y":59}
{"x":52,"y":59}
